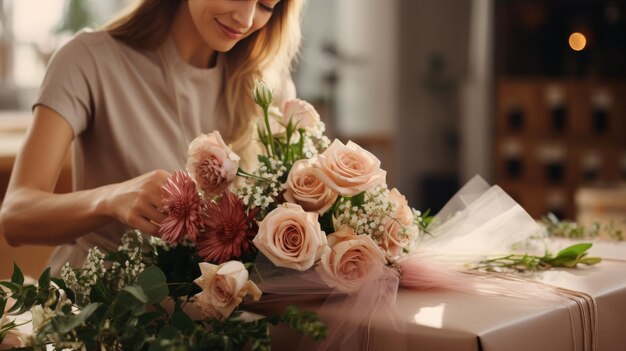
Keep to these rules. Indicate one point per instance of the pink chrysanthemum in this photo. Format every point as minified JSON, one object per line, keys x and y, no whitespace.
{"x":228,"y":230}
{"x":182,"y":205}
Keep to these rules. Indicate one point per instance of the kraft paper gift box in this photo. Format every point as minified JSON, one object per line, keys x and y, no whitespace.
{"x":447,"y":320}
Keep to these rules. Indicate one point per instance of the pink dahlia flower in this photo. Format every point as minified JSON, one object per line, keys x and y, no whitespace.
{"x":228,"y":230}
{"x":182,"y":205}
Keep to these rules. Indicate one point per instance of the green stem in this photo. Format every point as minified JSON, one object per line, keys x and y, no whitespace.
{"x":243,"y":173}
{"x":270,"y":137}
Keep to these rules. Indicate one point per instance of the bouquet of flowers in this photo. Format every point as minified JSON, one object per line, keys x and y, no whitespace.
{"x":314,"y":217}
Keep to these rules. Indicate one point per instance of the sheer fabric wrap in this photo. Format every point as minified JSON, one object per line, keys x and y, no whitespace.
{"x":479,"y":221}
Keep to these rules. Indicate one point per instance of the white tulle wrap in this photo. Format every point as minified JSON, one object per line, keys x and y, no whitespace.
{"x":478,"y":221}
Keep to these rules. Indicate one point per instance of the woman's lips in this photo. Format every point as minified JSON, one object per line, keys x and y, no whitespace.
{"x":228,"y":31}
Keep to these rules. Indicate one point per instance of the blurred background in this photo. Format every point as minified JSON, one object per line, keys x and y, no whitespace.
{"x":529,"y":94}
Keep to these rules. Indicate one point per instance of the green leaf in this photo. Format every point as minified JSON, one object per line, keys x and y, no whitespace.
{"x":137,"y":292}
{"x":44,"y":279}
{"x":15,"y":288}
{"x":61,"y":284}
{"x":149,"y":317}
{"x":169,"y":332}
{"x":118,"y":256}
{"x":29,"y":298}
{"x":18,"y":306}
{"x":3,"y":303}
{"x":358,"y":199}
{"x":154,"y":284}
{"x":17,"y":277}
{"x":265,"y":160}
{"x":590,"y":260}
{"x":181,"y":321}
{"x":326,"y":222}
{"x":100,"y":293}
{"x":574,"y":251}
{"x":135,"y":340}
{"x":78,"y":319}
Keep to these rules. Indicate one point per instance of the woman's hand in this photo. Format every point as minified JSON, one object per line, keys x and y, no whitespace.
{"x":137,"y":202}
{"x":32,"y":214}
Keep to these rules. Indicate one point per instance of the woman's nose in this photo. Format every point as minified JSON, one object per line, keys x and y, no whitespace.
{"x":244,"y":14}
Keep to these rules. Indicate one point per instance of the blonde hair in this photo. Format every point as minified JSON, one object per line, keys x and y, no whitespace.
{"x":266,"y":54}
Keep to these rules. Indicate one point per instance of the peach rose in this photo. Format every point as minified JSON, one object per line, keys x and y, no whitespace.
{"x":13,"y":338}
{"x":300,"y":113}
{"x":402,"y":217}
{"x":211,"y":163}
{"x":349,"y":169}
{"x":307,"y":190}
{"x":350,"y":261}
{"x":223,"y":288}
{"x":290,"y":237}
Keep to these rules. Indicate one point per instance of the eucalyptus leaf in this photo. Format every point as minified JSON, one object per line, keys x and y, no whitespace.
{"x":135,"y":340}
{"x":137,"y":292}
{"x":169,"y":332}
{"x":78,"y":319}
{"x":154,"y":284}
{"x":181,"y":321}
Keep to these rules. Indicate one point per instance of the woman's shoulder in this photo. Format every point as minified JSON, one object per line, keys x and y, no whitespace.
{"x":88,"y":41}
{"x":84,"y":48}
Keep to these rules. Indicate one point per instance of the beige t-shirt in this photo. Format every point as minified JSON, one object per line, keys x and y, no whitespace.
{"x":131,"y":112}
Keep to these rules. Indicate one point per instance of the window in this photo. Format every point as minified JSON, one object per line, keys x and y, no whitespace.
{"x":30,"y":32}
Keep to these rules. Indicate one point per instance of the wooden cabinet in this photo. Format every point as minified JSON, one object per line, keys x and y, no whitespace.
{"x":552,"y":137}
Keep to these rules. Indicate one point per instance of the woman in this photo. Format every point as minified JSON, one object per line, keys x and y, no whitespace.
{"x":131,"y":97}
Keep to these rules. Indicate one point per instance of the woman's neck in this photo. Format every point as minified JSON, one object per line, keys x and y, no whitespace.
{"x":189,"y":43}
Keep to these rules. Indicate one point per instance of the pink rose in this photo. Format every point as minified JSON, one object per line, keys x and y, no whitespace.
{"x":223,"y":288}
{"x":290,"y":237}
{"x":349,"y":169}
{"x":400,"y":226}
{"x":307,"y":190}
{"x":350,"y":261}
{"x":276,"y":121}
{"x":211,"y":163}
{"x":300,"y":113}
{"x":13,"y":338}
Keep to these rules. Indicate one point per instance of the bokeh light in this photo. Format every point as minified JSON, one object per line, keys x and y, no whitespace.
{"x":577,"y":41}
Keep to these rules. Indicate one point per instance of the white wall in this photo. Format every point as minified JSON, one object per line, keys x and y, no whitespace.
{"x":367,"y":92}
{"x":365,"y":35}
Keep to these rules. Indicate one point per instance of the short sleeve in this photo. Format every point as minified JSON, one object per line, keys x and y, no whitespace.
{"x":67,"y":87}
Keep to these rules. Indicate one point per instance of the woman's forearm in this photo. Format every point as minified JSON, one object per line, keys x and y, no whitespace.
{"x":31,"y":216}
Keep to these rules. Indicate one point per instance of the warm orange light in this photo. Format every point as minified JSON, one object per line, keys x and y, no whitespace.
{"x":577,"y":41}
